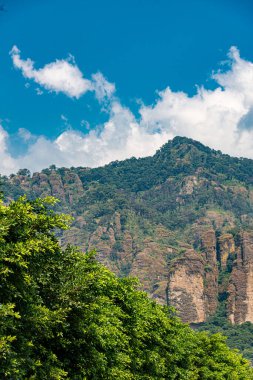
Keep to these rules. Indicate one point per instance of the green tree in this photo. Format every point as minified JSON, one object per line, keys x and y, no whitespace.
{"x":24,"y":172}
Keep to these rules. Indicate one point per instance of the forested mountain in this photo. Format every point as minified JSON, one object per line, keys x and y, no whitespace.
{"x":181,"y":221}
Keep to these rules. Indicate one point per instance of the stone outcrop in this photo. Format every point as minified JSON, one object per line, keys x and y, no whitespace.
{"x":226,"y":246}
{"x":126,"y":254}
{"x":186,"y":287}
{"x":221,"y":267}
{"x":240,"y":300}
{"x":193,"y":281}
{"x":208,"y":249}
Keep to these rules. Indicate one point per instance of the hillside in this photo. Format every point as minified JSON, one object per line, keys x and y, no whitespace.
{"x":181,"y":221}
{"x":63,"y":315}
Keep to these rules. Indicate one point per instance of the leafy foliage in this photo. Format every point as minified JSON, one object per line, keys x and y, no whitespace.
{"x":238,"y":336}
{"x":65,"y":316}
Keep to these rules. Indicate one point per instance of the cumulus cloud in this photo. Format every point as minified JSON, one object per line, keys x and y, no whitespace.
{"x":59,"y":76}
{"x":62,"y":76}
{"x":220,"y":118}
{"x":212,"y":117}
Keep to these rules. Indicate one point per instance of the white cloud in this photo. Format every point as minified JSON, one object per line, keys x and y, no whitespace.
{"x":212,"y":117}
{"x":59,"y":76}
{"x":25,"y":134}
{"x":7,"y":163}
{"x":63,"y":76}
{"x":104,"y":90}
{"x":220,"y":118}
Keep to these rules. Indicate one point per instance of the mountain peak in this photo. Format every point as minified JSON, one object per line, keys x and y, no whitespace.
{"x":180,"y":142}
{"x":186,"y":151}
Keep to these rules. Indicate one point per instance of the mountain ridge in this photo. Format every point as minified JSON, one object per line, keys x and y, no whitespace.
{"x":181,"y":221}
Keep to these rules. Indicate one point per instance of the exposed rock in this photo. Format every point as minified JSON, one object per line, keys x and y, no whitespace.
{"x":240,"y":300}
{"x":188,"y":185}
{"x":206,"y":240}
{"x":150,"y":266}
{"x":57,"y":188}
{"x":226,"y":248}
{"x":186,"y":288}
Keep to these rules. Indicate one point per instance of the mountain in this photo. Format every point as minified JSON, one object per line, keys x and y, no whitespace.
{"x":181,"y":221}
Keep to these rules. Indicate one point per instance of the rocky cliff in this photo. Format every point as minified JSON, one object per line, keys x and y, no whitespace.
{"x":240,"y":288}
{"x":222,"y":271}
{"x":181,"y":221}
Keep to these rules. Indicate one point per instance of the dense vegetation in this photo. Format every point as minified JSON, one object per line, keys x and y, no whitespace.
{"x":150,"y":186}
{"x":64,"y":315}
{"x":238,"y":336}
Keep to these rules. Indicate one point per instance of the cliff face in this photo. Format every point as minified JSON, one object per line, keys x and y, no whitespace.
{"x":186,"y":287}
{"x":224,"y":269}
{"x":240,"y":300}
{"x":180,"y":221}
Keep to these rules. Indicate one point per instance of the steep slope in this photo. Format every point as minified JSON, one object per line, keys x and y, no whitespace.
{"x":181,"y":221}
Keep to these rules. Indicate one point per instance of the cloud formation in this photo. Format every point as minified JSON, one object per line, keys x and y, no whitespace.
{"x":213,"y":117}
{"x":62,"y":76}
{"x":220,"y":118}
{"x":59,"y":76}
{"x":104,"y":90}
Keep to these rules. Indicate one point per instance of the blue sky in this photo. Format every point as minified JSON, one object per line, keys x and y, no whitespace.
{"x":156,"y":59}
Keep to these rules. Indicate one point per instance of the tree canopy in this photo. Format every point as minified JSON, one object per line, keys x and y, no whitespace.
{"x":65,"y":316}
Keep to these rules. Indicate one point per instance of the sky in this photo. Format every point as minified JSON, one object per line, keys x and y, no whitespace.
{"x":87,"y":82}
